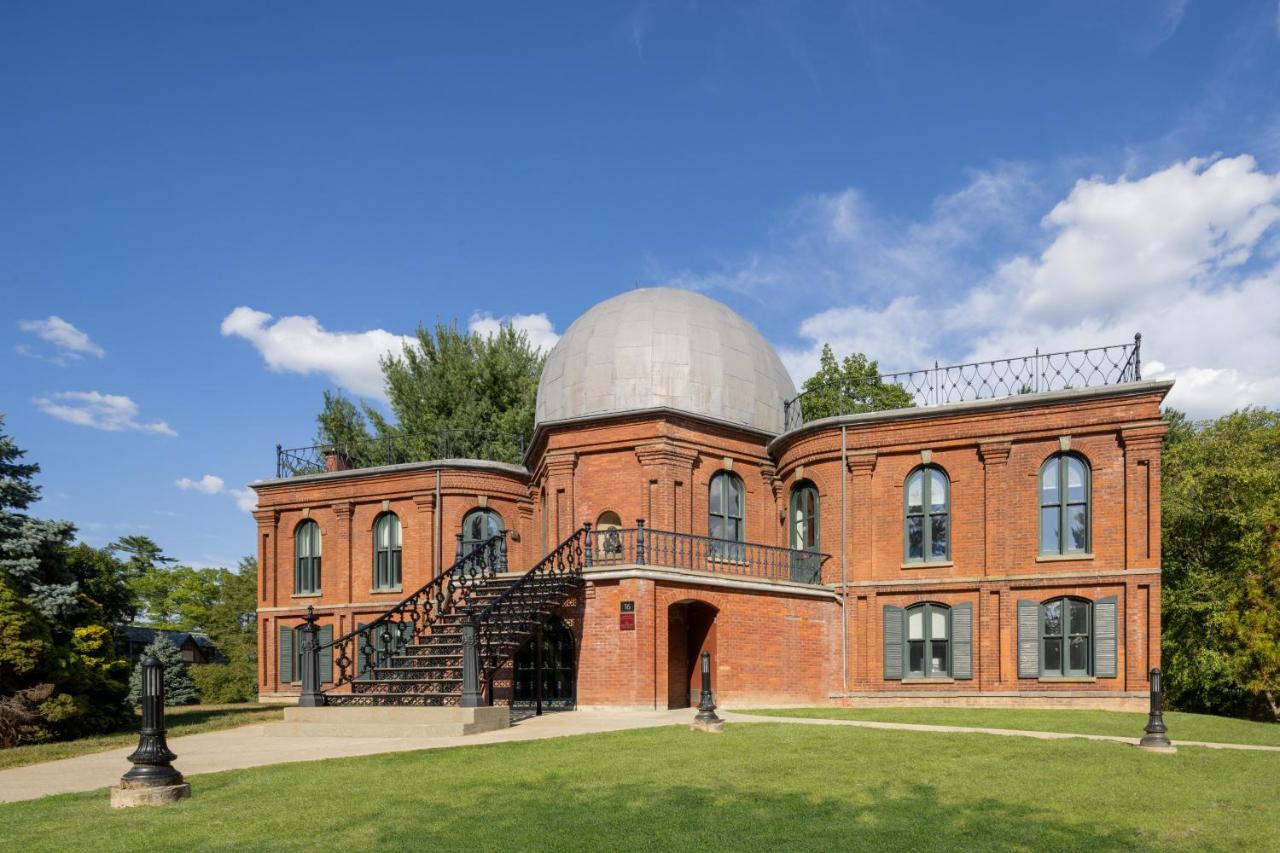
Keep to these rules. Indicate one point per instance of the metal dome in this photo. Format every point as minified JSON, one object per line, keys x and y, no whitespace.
{"x":663,"y":347}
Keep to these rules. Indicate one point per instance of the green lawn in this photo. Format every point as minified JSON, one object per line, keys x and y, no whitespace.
{"x":1181,"y":726}
{"x":186,"y":720}
{"x":756,"y":787}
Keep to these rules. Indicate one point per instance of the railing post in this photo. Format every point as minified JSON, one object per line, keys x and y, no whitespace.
{"x":1035,"y":368}
{"x":1156,"y":740}
{"x":588,"y":544}
{"x":640,"y":541}
{"x":279,"y":462}
{"x":311,"y":696}
{"x":470,"y":661}
{"x":1137,"y":357}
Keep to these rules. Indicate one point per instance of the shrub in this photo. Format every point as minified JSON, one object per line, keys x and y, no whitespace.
{"x":221,"y":684}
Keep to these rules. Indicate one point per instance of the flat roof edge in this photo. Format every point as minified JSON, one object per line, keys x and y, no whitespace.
{"x":1016,"y":401}
{"x":429,"y":465}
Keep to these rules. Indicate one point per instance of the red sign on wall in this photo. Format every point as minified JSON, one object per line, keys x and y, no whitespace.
{"x":626,"y":621}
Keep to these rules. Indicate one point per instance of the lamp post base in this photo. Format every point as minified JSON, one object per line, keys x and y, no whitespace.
{"x":123,"y":797}
{"x":713,"y":725}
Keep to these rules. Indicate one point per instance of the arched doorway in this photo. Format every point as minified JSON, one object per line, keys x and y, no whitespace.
{"x":691,"y":630}
{"x":553,"y":662}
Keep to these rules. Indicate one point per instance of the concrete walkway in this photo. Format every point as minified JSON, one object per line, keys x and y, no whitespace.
{"x":235,"y":749}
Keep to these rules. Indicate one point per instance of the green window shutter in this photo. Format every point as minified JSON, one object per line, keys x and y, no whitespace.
{"x":286,"y":654}
{"x":962,"y":641}
{"x":326,"y":655}
{"x":892,"y":643}
{"x":1028,"y":639}
{"x":1104,"y":637}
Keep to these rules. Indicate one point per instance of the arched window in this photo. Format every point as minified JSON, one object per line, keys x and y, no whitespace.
{"x":608,"y":538}
{"x":478,"y":526}
{"x":804,"y":516}
{"x":1064,"y":505}
{"x":928,"y":641}
{"x":927,"y":526}
{"x":727,"y":508}
{"x":386,"y":551}
{"x":1066,"y":637}
{"x":306,"y":566}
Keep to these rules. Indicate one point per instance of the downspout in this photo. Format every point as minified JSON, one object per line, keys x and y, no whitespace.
{"x":844,"y":557}
{"x":439,"y":531}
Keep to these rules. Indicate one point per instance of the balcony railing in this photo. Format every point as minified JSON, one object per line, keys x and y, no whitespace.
{"x":641,"y":546}
{"x":982,"y":380}
{"x":400,"y":448}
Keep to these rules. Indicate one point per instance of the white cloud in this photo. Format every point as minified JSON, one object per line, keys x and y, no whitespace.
{"x":208,"y":484}
{"x":1189,"y":255}
{"x":70,"y":344}
{"x":537,"y":326}
{"x":211,"y":484}
{"x":109,"y":412}
{"x":301,"y":345}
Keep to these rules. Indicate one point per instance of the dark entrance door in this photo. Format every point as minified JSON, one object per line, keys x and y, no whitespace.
{"x":554,"y":663}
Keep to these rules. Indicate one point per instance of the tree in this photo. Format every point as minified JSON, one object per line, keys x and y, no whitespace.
{"x":452,"y":394}
{"x":1221,"y":554}
{"x":179,"y":689}
{"x":231,"y":624}
{"x":178,"y":598}
{"x":849,"y":387}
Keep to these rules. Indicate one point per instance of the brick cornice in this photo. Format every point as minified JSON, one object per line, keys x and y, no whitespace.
{"x":425,"y":503}
{"x":862,"y":462}
{"x":995,"y":452}
{"x":563,"y":462}
{"x":341,"y":509}
{"x":666,"y":453}
{"x":1144,"y":436}
{"x":266,"y":517}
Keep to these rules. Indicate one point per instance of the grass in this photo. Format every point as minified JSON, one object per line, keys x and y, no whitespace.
{"x":756,"y":787}
{"x":1201,"y":727}
{"x":187,"y":720}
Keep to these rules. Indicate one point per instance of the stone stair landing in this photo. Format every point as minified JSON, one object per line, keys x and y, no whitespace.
{"x":389,"y":721}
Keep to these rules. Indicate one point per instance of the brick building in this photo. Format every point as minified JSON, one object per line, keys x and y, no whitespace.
{"x":997,"y":542}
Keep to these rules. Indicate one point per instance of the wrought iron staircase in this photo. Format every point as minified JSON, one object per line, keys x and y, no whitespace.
{"x":442,"y":644}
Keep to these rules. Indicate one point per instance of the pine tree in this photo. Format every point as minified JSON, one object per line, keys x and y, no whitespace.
{"x":179,"y":689}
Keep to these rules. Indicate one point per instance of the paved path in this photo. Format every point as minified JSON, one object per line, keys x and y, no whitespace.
{"x":734,"y":717}
{"x":234,"y":749}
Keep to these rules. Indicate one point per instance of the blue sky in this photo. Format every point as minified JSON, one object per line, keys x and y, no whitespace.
{"x":197,"y":197}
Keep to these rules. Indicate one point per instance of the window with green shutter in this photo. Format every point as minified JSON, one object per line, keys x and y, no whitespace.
{"x":892,"y":642}
{"x":286,"y":655}
{"x":306,"y":568}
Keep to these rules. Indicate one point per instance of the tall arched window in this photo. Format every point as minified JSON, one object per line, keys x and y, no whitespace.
{"x":386,"y":551}
{"x":306,"y":566}
{"x":727,"y":509}
{"x":927,"y":526}
{"x":928,"y":641}
{"x":804,"y":516}
{"x":1064,"y":505}
{"x":1066,"y":633}
{"x":478,"y":526}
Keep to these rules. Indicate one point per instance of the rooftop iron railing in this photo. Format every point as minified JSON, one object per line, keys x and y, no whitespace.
{"x":641,"y":546}
{"x":399,"y":448}
{"x":982,"y":380}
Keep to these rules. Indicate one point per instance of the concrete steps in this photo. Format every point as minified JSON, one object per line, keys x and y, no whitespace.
{"x":389,"y":721}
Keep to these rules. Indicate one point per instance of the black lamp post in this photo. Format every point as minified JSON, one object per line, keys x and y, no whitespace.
{"x":1156,"y":740}
{"x":153,"y":779}
{"x":706,"y":720}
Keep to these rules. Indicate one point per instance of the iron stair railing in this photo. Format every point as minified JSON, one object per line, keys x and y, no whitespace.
{"x":365,"y":648}
{"x":493,"y":635}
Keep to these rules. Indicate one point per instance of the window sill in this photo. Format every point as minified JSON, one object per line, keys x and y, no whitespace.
{"x":940,"y":564}
{"x":1062,"y":558}
{"x":306,"y":595}
{"x":1067,"y":679}
{"x":385,"y":590}
{"x":933,"y":680}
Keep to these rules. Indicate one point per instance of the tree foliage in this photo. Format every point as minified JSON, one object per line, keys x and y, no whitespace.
{"x":849,"y":387}
{"x":1221,"y":553}
{"x":452,"y":394}
{"x":179,"y":689}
